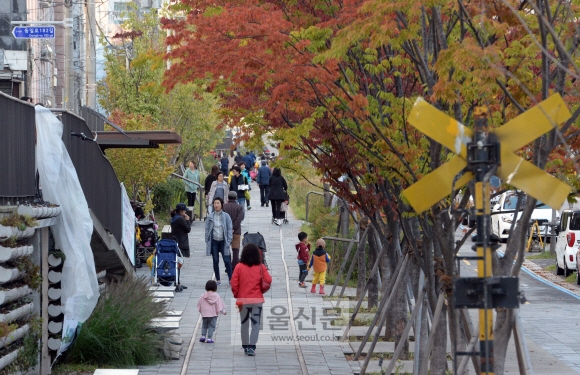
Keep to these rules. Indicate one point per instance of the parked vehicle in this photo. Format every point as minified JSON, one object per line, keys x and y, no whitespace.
{"x":503,"y":215}
{"x":568,"y":243}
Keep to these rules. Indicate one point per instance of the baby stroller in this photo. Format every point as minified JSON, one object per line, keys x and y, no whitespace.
{"x":258,"y":240}
{"x":284,"y":212}
{"x":147,"y":240}
{"x":168,"y":260}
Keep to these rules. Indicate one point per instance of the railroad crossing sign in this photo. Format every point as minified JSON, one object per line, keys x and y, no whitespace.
{"x":512,"y":136}
{"x":34,"y":32}
{"x":480,"y":153}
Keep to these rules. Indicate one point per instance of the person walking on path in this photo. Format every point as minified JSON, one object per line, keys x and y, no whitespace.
{"x":247,"y":289}
{"x":180,"y":228}
{"x":191,"y":189}
{"x":238,"y":184}
{"x":278,"y":194}
{"x":239,"y":158}
{"x":247,"y":159}
{"x":319,"y":262}
{"x":303,"y":249}
{"x":219,"y":189}
{"x":236,"y":213}
{"x":231,"y":161}
{"x":263,"y":180}
{"x":210,"y":305}
{"x":211,"y":177}
{"x":218,"y":238}
{"x":224,"y":163}
{"x":244,"y":170}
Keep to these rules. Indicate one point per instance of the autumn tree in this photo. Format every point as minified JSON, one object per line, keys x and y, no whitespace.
{"x":133,"y":95}
{"x":335,"y":81}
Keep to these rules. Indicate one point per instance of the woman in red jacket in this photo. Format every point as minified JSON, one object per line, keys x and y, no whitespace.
{"x":246,"y":288}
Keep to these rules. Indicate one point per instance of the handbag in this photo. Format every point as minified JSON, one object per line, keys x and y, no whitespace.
{"x":264,"y":286}
{"x":247,"y":194}
{"x":286,"y":196}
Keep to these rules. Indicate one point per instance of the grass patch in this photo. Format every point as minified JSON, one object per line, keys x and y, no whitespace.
{"x":116,"y":334}
{"x":542,"y":255}
{"x":331,"y":278}
{"x":551,"y":267}
{"x":571,"y":278}
{"x":385,"y":355}
{"x":73,"y":368}
{"x":358,"y":322}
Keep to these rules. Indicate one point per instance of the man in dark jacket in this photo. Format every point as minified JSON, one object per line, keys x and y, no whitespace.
{"x":248,"y":160}
{"x":236,"y":213}
{"x":237,"y":180}
{"x":180,"y":228}
{"x":263,"y":180}
{"x":224,"y":164}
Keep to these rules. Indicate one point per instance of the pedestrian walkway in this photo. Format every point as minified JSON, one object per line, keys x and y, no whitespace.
{"x":296,"y":336}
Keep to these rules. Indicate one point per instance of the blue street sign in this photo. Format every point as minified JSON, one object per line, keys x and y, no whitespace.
{"x":34,"y":32}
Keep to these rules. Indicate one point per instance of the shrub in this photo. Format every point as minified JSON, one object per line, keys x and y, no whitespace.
{"x":116,"y":334}
{"x":167,"y":194}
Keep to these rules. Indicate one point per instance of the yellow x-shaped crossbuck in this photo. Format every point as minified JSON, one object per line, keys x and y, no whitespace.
{"x":512,"y":136}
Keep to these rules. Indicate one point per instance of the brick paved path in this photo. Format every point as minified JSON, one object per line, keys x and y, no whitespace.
{"x":225,"y":356}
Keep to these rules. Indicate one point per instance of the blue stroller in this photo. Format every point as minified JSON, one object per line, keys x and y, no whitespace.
{"x":168,"y":261}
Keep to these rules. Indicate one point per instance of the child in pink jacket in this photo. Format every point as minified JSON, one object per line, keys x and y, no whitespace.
{"x":210,"y":305}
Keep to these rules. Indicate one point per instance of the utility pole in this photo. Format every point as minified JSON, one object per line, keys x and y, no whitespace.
{"x":69,"y":70}
{"x":90,"y":63}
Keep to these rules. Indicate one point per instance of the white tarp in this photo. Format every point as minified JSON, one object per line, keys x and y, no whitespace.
{"x":128,"y":225}
{"x":74,"y":227}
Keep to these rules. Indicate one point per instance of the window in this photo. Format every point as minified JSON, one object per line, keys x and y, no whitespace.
{"x":564,"y":221}
{"x":575,"y":221}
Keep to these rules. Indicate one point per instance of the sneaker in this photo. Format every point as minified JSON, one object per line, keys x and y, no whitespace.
{"x":246,"y":351}
{"x":251,"y":352}
{"x":202,"y":339}
{"x":209,"y":341}
{"x":267,"y":204}
{"x":302,"y":285}
{"x":219,"y":282}
{"x":249,"y":207}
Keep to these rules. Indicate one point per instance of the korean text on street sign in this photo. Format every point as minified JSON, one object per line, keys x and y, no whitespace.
{"x":34,"y":32}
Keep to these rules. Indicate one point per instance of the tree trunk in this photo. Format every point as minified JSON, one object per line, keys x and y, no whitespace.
{"x":362,"y":268}
{"x":503,"y":331}
{"x":397,"y":314}
{"x":373,"y":279}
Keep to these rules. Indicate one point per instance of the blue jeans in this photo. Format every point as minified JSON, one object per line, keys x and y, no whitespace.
{"x":218,"y":247}
{"x":242,"y":202}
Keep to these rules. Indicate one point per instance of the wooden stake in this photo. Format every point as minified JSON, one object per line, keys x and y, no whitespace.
{"x":383,"y":307}
{"x":405,"y":335}
{"x":436,"y":317}
{"x":524,"y":361}
{"x":345,"y":260}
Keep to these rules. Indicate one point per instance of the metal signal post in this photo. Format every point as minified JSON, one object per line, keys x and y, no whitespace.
{"x":483,"y":159}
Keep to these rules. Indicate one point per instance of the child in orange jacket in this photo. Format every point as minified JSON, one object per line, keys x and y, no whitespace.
{"x":319,"y":261}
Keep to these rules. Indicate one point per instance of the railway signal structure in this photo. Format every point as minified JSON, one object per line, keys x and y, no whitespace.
{"x":482,"y":153}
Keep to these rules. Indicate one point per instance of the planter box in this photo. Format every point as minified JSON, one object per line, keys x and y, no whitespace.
{"x":13,"y":294}
{"x":7,"y":232}
{"x":10,"y":274}
{"x":39,"y":212}
{"x":9,"y":253}
{"x":14,"y":336}
{"x":9,"y":358}
{"x":16,"y":314}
